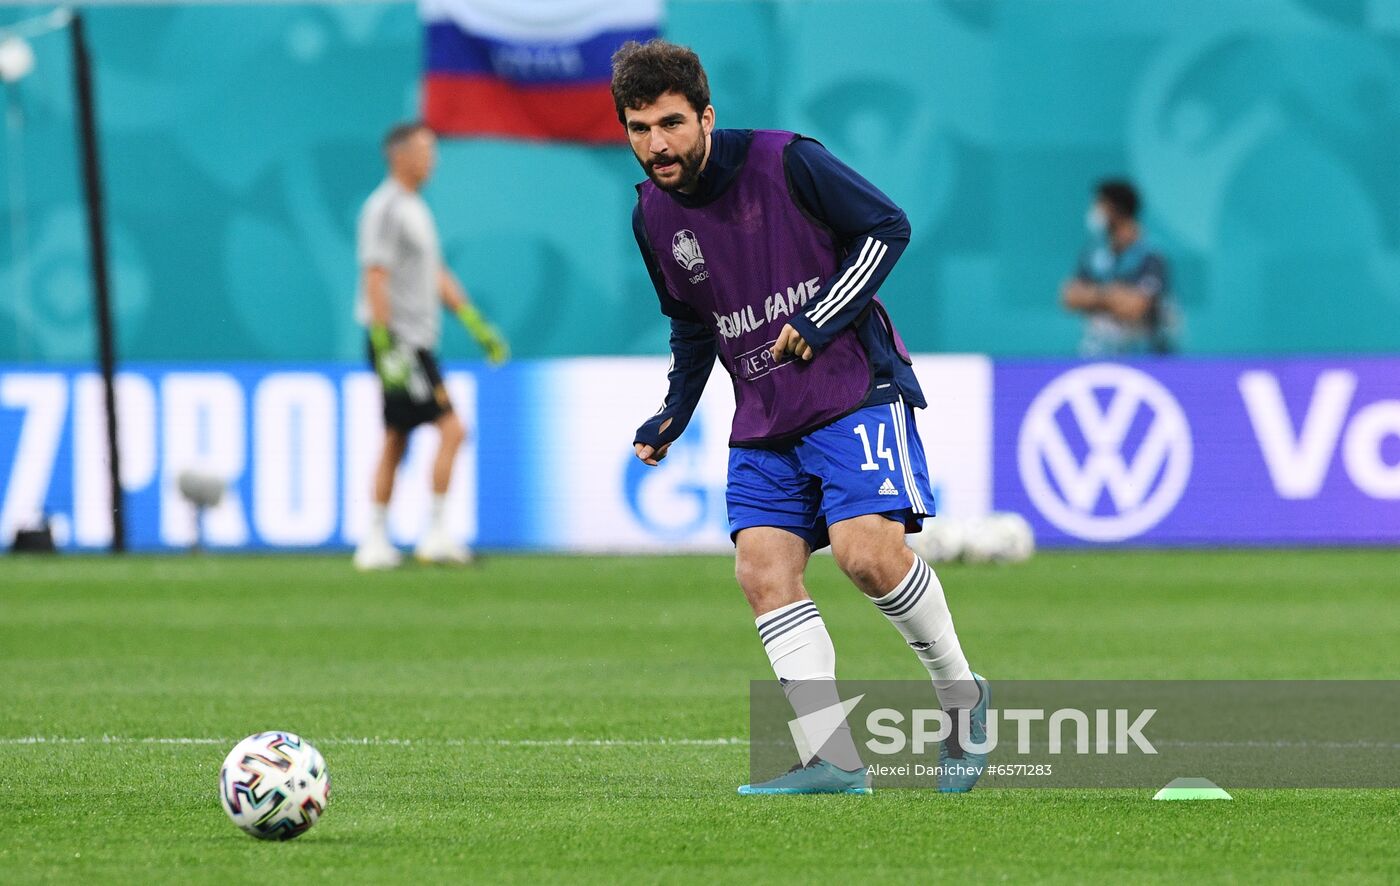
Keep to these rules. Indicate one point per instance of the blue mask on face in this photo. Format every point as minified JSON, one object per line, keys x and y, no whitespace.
{"x":1096,"y":221}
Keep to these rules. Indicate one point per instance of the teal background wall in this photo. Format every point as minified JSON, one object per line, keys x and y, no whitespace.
{"x":240,"y":140}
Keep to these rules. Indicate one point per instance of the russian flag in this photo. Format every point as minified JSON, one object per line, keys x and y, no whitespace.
{"x":535,"y":69}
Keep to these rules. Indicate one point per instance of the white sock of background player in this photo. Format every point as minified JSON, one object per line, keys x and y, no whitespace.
{"x":379,"y":521}
{"x":437,"y":516}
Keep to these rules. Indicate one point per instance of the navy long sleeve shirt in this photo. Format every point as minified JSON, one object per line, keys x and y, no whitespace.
{"x":871,"y":233}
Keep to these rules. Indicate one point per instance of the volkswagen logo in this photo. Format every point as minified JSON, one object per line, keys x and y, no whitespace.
{"x":1105,"y":452}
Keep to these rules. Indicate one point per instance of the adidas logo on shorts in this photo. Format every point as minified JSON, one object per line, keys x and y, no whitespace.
{"x":887,"y":488}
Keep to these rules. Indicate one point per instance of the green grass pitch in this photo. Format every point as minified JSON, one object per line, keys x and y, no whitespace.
{"x":445,"y":702}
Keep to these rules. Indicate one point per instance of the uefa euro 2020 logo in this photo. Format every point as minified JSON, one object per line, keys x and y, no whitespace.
{"x":686,"y":249}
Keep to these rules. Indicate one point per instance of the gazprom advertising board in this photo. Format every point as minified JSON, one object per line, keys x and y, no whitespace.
{"x":1182,"y":452}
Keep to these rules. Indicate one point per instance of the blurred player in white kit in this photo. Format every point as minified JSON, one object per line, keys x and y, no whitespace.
{"x":402,"y":282}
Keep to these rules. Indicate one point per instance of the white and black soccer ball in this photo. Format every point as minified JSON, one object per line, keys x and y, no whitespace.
{"x":996,"y":538}
{"x":982,"y":540}
{"x":1001,"y":537}
{"x":941,"y":540}
{"x":1016,"y":538}
{"x":274,"y":785}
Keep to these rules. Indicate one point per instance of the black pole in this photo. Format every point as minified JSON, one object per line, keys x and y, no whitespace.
{"x":97,"y":255}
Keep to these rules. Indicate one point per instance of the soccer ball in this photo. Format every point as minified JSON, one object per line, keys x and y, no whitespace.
{"x":999,"y":538}
{"x":995,"y":538}
{"x":982,"y":540}
{"x":274,"y":785}
{"x":941,"y":540}
{"x":1018,"y":539}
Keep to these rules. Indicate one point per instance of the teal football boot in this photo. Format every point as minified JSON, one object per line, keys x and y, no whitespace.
{"x":817,"y":777}
{"x":959,"y":769}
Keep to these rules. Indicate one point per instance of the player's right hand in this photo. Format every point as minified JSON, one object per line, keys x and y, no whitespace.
{"x":790,"y":341}
{"x":649,"y":455}
{"x":390,"y":362}
{"x":393,"y":368}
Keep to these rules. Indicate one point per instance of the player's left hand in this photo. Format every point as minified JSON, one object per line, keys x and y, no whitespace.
{"x":651,"y":456}
{"x":492,"y":342}
{"x":488,"y":337}
{"x":790,"y":341}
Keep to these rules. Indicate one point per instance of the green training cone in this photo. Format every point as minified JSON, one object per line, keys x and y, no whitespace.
{"x":1192,"y":789}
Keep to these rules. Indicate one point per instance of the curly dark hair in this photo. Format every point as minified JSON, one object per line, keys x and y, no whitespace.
{"x":643,"y":72}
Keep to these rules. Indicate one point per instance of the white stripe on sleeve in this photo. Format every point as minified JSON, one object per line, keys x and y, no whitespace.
{"x":851,"y":282}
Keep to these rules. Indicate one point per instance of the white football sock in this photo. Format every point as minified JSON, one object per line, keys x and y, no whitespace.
{"x":437,"y":516}
{"x":379,"y":520}
{"x":800,"y":650}
{"x":918,"y":609}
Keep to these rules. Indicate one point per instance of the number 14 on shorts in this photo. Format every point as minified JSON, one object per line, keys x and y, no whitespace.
{"x":881,"y":451}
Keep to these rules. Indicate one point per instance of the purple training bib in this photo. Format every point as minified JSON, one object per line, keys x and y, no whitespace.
{"x":746,"y":262}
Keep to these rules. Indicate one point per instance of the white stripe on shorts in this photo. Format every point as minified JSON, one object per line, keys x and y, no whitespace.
{"x":911,"y":488}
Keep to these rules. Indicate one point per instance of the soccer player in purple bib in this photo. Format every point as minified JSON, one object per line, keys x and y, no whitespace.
{"x":767,"y":252}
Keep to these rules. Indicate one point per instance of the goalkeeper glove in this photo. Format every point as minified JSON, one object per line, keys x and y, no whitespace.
{"x":389,"y":361}
{"x":486,"y":335}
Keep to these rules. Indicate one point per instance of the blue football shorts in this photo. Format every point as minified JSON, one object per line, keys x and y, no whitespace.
{"x":870,"y":462}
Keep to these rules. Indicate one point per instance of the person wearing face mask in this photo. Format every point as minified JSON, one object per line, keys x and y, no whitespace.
{"x":1120,"y":284}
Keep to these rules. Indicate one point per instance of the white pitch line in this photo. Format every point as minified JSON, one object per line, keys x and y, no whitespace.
{"x":393,"y":742}
{"x":1284,"y":743}
{"x":379,"y":741}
